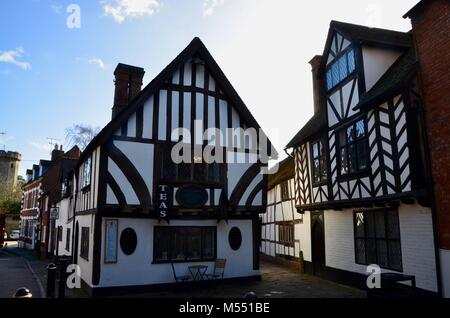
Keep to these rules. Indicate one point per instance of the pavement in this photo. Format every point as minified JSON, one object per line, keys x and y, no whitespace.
{"x":20,"y":267}
{"x":15,"y":272}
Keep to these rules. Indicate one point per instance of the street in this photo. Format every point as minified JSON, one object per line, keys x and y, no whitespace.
{"x":15,"y":272}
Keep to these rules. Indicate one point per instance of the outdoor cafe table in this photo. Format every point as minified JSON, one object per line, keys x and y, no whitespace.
{"x":198,"y":271}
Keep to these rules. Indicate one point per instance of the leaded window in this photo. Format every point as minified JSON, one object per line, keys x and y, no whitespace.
{"x":377,"y":238}
{"x":319,"y":162}
{"x":353,"y":148}
{"x":86,"y":178}
{"x":184,"y":244}
{"x":340,"y":69}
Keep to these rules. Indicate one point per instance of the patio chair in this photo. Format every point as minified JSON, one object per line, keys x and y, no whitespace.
{"x":219,"y":269}
{"x":179,"y":279}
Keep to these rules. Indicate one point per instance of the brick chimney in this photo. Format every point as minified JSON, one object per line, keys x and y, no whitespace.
{"x":128,"y":82}
{"x":57,"y":153}
{"x":318,"y":84}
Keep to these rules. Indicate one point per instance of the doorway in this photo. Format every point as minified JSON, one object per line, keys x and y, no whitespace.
{"x":318,"y":243}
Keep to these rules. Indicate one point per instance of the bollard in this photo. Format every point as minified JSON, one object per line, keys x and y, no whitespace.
{"x":62,"y":277}
{"x":250,"y":296}
{"x":22,"y":292}
{"x":51,"y":277}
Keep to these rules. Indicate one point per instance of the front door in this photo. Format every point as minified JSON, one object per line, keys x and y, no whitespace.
{"x":318,"y":243}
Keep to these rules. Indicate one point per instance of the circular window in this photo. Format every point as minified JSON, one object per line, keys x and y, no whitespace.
{"x":235,"y":238}
{"x":128,"y":241}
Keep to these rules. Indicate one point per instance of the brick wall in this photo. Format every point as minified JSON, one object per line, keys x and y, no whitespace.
{"x":431,"y":25}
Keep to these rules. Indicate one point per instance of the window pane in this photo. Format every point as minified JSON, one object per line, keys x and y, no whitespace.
{"x":315,"y":150}
{"x":193,"y":243}
{"x":369,"y":217}
{"x":352,"y":158}
{"x":342,"y":68}
{"x":199,"y":172}
{"x":393,"y":230}
{"x":342,"y":138}
{"x":162,"y":247}
{"x":382,"y":253}
{"x":350,"y":133}
{"x":395,"y":255}
{"x":213,"y":172}
{"x":363,"y":153}
{"x":208,"y":243}
{"x":360,"y":251}
{"x":351,"y":61}
{"x":316,"y":170}
{"x":321,"y":150}
{"x":360,"y":129}
{"x":343,"y":161}
{"x":380,"y":230}
{"x":184,"y":171}
{"x":335,"y":73}
{"x":329,"y":80}
{"x":371,"y":251}
{"x":359,"y":226}
{"x":323,"y":168}
{"x":178,"y":245}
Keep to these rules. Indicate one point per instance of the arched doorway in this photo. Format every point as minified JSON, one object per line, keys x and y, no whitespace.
{"x":318,"y":243}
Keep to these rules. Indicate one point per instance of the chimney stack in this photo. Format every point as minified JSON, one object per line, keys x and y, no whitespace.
{"x":128,"y":82}
{"x":318,"y":84}
{"x":56,"y":153}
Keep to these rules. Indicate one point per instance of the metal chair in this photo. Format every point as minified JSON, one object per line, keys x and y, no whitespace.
{"x":219,"y":269}
{"x":179,"y":279}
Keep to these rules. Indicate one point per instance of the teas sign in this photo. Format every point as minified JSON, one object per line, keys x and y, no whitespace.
{"x":163,"y":201}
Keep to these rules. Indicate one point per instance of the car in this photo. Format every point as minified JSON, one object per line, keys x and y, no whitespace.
{"x":14,"y":235}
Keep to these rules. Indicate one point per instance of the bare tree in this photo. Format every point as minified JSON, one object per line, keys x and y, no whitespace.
{"x":81,"y":135}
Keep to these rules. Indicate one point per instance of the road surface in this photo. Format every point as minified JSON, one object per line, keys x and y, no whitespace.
{"x":15,"y":273}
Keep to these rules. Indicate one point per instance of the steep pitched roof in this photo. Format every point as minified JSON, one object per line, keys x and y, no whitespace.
{"x":311,"y":128}
{"x":396,"y":77}
{"x":195,"y":48}
{"x":285,"y":171}
{"x":366,"y":35}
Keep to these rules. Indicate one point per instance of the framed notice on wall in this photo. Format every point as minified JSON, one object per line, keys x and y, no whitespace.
{"x":111,"y":228}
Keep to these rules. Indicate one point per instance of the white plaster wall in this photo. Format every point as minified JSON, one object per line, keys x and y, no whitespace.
{"x":63,"y":221}
{"x":376,"y":63}
{"x":416,"y":234}
{"x":444,"y":256}
{"x":86,"y":265}
{"x":137,"y":268}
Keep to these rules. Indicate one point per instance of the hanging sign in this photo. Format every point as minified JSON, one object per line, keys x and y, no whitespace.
{"x":54,"y":213}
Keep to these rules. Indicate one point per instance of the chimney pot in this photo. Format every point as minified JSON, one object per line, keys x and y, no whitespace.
{"x":128,"y":83}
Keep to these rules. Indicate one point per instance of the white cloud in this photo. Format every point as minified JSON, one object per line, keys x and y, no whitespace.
{"x":98,"y":62}
{"x":210,"y":5}
{"x":122,"y":9}
{"x":11,"y":57}
{"x":40,"y":145}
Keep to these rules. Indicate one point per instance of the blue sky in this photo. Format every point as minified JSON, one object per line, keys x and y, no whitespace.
{"x":53,"y":76}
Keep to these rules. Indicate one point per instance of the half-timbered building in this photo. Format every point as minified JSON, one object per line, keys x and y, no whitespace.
{"x":284,"y":232}
{"x":360,"y":160}
{"x":137,"y":210}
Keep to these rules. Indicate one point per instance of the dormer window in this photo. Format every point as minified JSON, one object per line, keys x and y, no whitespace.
{"x":340,"y":68}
